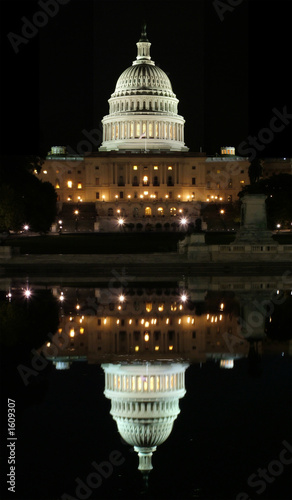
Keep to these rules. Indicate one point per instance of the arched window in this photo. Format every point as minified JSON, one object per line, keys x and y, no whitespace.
{"x":57,"y":184}
{"x":155,"y":181}
{"x":122,"y":106}
{"x":172,"y":211}
{"x":110,"y":212}
{"x":136,"y":212}
{"x":160,"y":210}
{"x":148,"y":211}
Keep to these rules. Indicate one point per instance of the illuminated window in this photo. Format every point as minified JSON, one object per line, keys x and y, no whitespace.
{"x":155,"y":167}
{"x":57,"y":185}
{"x":160,"y":210}
{"x":81,"y":330}
{"x":138,"y":130}
{"x":45,"y":172}
{"x":145,"y":180}
{"x":172,"y":211}
{"x":242,"y":182}
{"x":69,"y":198}
{"x":148,"y":211}
{"x":69,"y":184}
{"x":148,"y":306}
{"x":161,"y":307}
{"x":135,"y":167}
{"x":169,"y":168}
{"x":132,"y":129}
{"x":150,"y":129}
{"x":79,"y":185}
{"x":157,"y":348}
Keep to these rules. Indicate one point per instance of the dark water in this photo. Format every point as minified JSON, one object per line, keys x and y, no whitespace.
{"x":232,"y":438}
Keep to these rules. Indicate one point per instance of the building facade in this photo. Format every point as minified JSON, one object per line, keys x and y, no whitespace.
{"x":143,"y":167}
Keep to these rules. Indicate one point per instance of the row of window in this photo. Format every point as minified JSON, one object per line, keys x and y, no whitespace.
{"x":141,"y":105}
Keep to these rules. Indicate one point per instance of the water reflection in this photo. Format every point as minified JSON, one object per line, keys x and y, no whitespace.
{"x":146,"y":339}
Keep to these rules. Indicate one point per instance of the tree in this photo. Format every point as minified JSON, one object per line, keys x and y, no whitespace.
{"x":24,"y":198}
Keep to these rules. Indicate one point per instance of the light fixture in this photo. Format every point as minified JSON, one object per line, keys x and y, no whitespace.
{"x":121,"y":221}
{"x":183,"y":297}
{"x":146,"y":337}
{"x":121,"y":298}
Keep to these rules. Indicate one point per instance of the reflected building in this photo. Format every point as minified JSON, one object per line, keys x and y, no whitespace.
{"x":145,"y":403}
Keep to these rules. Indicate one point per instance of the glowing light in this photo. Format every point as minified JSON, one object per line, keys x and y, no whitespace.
{"x":27,"y":293}
{"x":72,"y":332}
{"x":193,"y":321}
{"x":104,"y":321}
{"x":160,"y":307}
{"x":146,"y":324}
{"x":136,"y":348}
{"x":183,"y":297}
{"x":141,"y":196}
{"x":222,"y":211}
{"x":180,"y":307}
{"x":103,"y":197}
{"x":129,"y":196}
{"x":61,"y":298}
{"x":220,"y":317}
{"x":26,"y":227}
{"x":130,"y":321}
{"x":76,"y":212}
{"x":122,"y":298}
{"x":121,"y":221}
{"x":142,"y":321}
{"x":188,"y":197}
{"x":119,"y":308}
{"x":183,"y":221}
{"x":170,"y":347}
{"x":146,"y":337}
{"x":45,"y":171}
{"x":118,"y":321}
{"x":69,"y":184}
{"x":60,"y":221}
{"x":77,"y":306}
{"x":189,"y":319}
{"x":81,"y":331}
{"x":179,"y":321}
{"x":156,"y":348}
{"x":208,"y":316}
{"x":221,"y":306}
{"x":145,"y":193}
{"x":145,"y":178}
{"x":166,"y":196}
{"x":179,"y":196}
{"x":167,"y":321}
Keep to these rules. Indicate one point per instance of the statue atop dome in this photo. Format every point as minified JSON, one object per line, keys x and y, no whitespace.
{"x":143,"y":37}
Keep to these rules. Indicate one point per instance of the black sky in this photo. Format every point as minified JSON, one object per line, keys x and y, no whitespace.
{"x":228,"y":74}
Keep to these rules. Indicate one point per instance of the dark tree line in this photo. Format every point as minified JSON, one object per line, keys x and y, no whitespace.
{"x":24,"y":199}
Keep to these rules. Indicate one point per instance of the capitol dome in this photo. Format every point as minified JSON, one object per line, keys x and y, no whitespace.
{"x":143,"y":109}
{"x":145,"y":403}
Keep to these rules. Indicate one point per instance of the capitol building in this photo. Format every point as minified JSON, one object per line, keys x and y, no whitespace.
{"x":143,"y":171}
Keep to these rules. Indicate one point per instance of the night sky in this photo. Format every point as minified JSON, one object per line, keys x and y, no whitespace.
{"x":229,"y":75}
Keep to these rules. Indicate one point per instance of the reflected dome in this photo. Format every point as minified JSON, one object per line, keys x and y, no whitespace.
{"x":145,"y":403}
